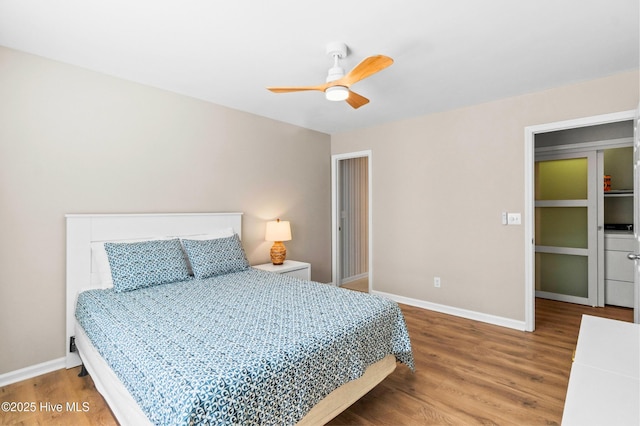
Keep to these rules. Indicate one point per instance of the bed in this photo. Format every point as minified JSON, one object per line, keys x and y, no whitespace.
{"x":210,"y":340}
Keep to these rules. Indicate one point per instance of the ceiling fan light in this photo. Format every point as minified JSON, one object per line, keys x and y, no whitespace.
{"x":337,"y":93}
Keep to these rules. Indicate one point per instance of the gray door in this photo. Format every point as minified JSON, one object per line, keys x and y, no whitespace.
{"x":566,"y":251}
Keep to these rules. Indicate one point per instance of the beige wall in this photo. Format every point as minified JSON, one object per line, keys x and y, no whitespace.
{"x":441,"y":181}
{"x":75,"y":141}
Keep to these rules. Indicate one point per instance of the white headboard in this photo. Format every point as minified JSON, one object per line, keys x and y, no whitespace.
{"x":83,"y":229}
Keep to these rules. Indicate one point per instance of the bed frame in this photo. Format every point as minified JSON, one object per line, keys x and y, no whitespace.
{"x":82,"y":274}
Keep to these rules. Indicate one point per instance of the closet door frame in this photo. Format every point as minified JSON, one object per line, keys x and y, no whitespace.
{"x":529,"y":202}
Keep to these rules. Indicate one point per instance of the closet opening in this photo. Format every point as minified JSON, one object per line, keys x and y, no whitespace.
{"x":576,"y":224}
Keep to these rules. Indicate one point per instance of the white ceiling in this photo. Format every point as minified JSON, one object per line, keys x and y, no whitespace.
{"x":447,"y":54}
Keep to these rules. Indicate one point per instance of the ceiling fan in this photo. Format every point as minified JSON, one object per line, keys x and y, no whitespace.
{"x":337,"y":86}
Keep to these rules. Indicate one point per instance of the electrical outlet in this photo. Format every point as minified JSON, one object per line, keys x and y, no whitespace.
{"x":436,"y":282}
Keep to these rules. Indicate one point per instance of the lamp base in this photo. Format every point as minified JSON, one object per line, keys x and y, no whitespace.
{"x":278,"y":253}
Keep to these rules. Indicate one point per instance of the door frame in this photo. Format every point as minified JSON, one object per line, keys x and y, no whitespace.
{"x":529,"y":202}
{"x":636,"y":212}
{"x":335,"y":214}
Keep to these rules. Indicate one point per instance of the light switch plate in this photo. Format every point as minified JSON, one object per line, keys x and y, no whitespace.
{"x":514,"y":219}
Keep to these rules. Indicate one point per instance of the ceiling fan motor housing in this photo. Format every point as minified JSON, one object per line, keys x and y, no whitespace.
{"x":335,"y":73}
{"x":336,"y":51}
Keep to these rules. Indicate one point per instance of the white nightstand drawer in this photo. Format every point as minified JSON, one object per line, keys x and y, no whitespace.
{"x":303,"y":274}
{"x":292,"y":268}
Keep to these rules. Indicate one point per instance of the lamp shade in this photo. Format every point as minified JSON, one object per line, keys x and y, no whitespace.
{"x":278,"y":230}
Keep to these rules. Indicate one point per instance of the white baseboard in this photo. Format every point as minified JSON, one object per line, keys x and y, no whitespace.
{"x":31,"y":371}
{"x":450,"y":310}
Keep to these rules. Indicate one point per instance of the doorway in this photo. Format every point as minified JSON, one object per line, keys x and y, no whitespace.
{"x":529,"y":220}
{"x":351,"y":220}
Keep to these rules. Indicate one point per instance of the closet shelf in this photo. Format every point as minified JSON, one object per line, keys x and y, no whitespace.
{"x":619,"y":193}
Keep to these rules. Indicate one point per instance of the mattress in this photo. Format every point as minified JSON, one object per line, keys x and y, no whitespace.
{"x":249,"y":347}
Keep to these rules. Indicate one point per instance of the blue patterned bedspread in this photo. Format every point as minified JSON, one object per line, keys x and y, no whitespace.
{"x":247,"y":348}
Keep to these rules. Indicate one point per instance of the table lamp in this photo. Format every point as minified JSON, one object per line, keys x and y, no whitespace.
{"x":278,"y":231}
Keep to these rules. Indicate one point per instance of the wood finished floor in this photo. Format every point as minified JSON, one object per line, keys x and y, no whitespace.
{"x":358,"y":285}
{"x":467,"y":373}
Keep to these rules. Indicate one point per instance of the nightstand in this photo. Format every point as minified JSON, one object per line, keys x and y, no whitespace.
{"x":293,"y":268}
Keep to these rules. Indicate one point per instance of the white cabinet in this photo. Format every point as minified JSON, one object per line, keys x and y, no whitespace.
{"x":618,"y":270}
{"x":292,"y":268}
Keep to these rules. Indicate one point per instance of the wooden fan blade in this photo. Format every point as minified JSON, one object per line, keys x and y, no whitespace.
{"x":355,"y":100}
{"x":321,"y":88}
{"x":364,"y":69}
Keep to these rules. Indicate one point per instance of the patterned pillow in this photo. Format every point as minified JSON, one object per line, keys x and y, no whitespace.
{"x":145,"y":264}
{"x":216,"y":257}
